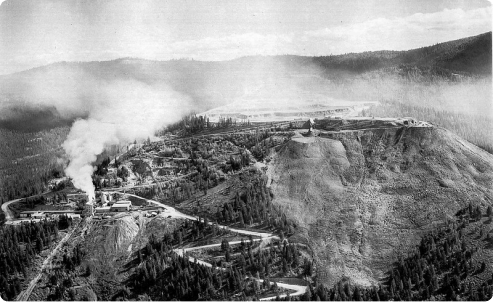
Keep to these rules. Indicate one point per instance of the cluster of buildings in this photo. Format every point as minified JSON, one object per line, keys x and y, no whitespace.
{"x":51,"y":214}
{"x":108,"y":204}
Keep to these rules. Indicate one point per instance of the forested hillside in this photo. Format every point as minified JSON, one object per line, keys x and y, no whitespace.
{"x":468,"y":55}
{"x":29,"y":160}
{"x":20,"y":248}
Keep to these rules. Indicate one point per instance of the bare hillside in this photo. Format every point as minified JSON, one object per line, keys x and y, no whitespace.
{"x":111,"y":245}
{"x":363,"y":197}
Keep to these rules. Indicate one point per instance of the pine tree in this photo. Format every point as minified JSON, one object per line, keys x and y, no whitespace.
{"x":180,"y":237}
{"x":224,"y":245}
{"x":39,"y":244}
{"x":241,"y":220}
{"x":227,"y":256}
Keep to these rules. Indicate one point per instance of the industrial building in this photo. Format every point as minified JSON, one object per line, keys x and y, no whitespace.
{"x":41,"y":214}
{"x":49,"y":214}
{"x":120,"y":207}
{"x":103,"y":210}
{"x":32,"y":214}
{"x":106,"y":197}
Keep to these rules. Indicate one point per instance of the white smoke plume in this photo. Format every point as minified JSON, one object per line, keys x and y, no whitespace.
{"x":119,"y":112}
{"x":116,"y":111}
{"x":85,"y":141}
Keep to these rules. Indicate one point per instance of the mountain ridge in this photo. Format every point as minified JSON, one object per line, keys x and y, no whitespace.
{"x":442,"y":52}
{"x":209,"y":84}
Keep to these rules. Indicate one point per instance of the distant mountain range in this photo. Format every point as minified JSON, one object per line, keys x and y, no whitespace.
{"x":470,"y":55}
{"x":33,"y":99}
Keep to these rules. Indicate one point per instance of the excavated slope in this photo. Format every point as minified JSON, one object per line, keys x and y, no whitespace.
{"x":111,"y":245}
{"x":117,"y":238}
{"x":114,"y":235}
{"x":363,"y":197}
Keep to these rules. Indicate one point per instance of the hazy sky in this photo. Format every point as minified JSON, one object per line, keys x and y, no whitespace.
{"x":39,"y":32}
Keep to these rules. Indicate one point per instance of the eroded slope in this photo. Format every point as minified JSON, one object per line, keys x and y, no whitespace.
{"x":363,"y":197}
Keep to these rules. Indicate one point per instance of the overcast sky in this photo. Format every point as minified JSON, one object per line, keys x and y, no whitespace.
{"x":39,"y":32}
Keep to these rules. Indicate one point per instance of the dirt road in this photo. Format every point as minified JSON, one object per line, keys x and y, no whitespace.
{"x":24,"y":295}
{"x":170,"y":211}
{"x":8,"y":213}
{"x":174,"y":213}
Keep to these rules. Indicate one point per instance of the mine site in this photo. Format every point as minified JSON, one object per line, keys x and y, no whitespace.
{"x":259,"y":151}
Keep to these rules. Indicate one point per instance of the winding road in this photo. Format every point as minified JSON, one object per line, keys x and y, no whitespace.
{"x":8,"y":213}
{"x":182,"y":252}
{"x":9,"y":216}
